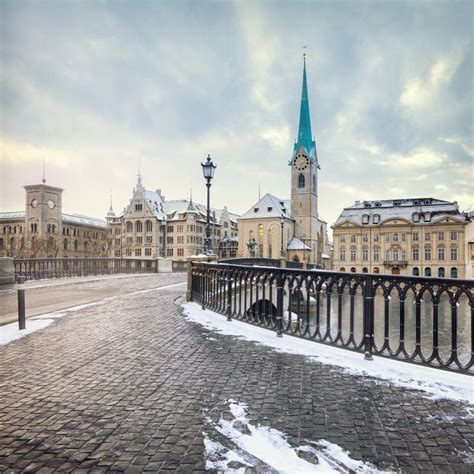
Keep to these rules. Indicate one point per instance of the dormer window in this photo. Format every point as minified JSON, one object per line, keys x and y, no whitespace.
{"x":427,"y":217}
{"x":376,"y":218}
{"x":427,"y":201}
{"x":365,"y":219}
{"x":366,"y":204}
{"x":416,"y":202}
{"x":269,"y":209}
{"x":255,"y":209}
{"x":397,"y":203}
{"x":378,"y":204}
{"x":416,"y":217}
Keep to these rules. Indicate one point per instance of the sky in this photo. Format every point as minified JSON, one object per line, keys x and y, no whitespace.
{"x":96,"y":87}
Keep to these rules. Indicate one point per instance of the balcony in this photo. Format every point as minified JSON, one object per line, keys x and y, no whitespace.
{"x":395,"y":263}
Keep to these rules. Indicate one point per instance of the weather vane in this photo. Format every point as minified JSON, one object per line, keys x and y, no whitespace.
{"x":304,"y":52}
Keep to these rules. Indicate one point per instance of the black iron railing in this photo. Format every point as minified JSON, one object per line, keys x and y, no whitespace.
{"x":267,"y":262}
{"x":39,"y":268}
{"x":422,"y":320}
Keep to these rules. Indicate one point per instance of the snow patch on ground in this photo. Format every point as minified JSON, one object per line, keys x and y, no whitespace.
{"x":266,"y":449}
{"x":433,"y":383}
{"x":10,"y":332}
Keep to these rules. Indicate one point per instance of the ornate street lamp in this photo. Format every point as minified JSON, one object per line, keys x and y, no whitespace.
{"x":208,"y":168}
{"x":282,"y":222}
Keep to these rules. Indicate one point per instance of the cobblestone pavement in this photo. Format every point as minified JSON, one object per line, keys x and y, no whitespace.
{"x":44,"y":296}
{"x":124,"y":387}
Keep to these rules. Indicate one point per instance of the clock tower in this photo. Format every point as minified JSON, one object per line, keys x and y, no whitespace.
{"x":304,"y":179}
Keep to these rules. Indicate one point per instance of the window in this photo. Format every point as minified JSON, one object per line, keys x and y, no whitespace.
{"x":395,"y":255}
{"x":365,"y":254}
{"x":376,"y":218}
{"x":403,"y":237}
{"x":388,"y":255}
{"x":454,"y":235}
{"x":440,"y":235}
{"x":427,"y":236}
{"x":149,"y":239}
{"x":353,"y":255}
{"x":342,"y":255}
{"x":415,"y":236}
{"x":365,"y":237}
{"x":180,"y":252}
{"x":129,"y":227}
{"x":117,"y":241}
{"x":416,"y":217}
{"x":441,"y":272}
{"x":376,"y":270}
{"x":454,"y":253}
{"x":365,"y":218}
{"x":138,"y":226}
{"x":427,"y":253}
{"x":169,"y":240}
{"x":179,"y":228}
{"x":139,"y":240}
{"x":395,"y":237}
{"x":440,"y":253}
{"x":416,"y":271}
{"x":147,"y":252}
{"x":427,"y":216}
{"x":117,"y":253}
{"x":416,"y":253}
{"x":139,"y":207}
{"x":138,"y":252}
{"x":129,"y":240}
{"x":169,"y":228}
{"x":128,"y":252}
{"x":454,"y":272}
{"x":387,"y":237}
{"x":342,"y":238}
{"x":65,"y":244}
{"x":180,"y":239}
{"x":376,"y":237}
{"x":376,"y":254}
{"x":149,"y":226}
{"x":169,"y":252}
{"x":427,"y":272}
{"x":353,"y":238}
{"x":301,"y":181}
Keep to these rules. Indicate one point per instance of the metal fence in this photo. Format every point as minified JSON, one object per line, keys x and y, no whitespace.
{"x":422,"y":320}
{"x":39,"y":268}
{"x":267,"y":262}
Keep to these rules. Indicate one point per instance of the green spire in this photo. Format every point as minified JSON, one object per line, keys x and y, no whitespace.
{"x":305,"y":137}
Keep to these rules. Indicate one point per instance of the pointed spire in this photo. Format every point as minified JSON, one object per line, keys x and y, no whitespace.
{"x":139,"y":186}
{"x":305,"y":137}
{"x":43,"y":180}
{"x":111,"y":212}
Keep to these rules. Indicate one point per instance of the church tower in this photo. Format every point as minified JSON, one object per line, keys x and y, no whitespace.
{"x":304,"y":179}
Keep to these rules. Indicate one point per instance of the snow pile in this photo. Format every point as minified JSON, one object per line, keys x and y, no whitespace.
{"x":10,"y":332}
{"x":242,"y":445}
{"x":434,"y":383}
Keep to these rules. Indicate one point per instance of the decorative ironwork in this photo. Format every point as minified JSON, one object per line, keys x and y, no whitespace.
{"x":39,"y":268}
{"x":422,"y":320}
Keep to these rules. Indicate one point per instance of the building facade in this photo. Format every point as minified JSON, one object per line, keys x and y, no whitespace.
{"x":44,"y":230}
{"x":423,"y":236}
{"x":292,"y":229}
{"x":151,"y":227}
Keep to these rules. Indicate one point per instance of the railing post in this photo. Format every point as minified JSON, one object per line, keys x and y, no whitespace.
{"x":189,"y":290}
{"x":279,"y":316}
{"x":368,"y":317}
{"x":229,"y":297}
{"x":21,"y":302}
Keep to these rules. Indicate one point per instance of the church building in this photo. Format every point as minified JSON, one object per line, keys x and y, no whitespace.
{"x":291,"y":229}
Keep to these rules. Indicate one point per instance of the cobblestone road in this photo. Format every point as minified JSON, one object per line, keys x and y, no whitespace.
{"x":123,"y":387}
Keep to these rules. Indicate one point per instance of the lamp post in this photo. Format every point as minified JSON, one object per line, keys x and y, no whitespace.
{"x":208,"y":168}
{"x":282,"y":223}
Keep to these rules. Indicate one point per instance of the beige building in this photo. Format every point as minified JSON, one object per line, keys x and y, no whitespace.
{"x":469,"y":246}
{"x":43,"y":230}
{"x":304,"y":233}
{"x":422,"y":236}
{"x":151,"y":227}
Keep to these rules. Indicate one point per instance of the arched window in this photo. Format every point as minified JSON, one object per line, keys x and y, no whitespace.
{"x":416,"y":271}
{"x":65,"y":244}
{"x":454,"y":272}
{"x":427,"y":272}
{"x":342,"y":269}
{"x":149,"y":226}
{"x":353,"y":270}
{"x":365,"y":270}
{"x":441,"y":272}
{"x":376,"y":270}
{"x":301,"y":180}
{"x":138,"y":226}
{"x":76,"y":245}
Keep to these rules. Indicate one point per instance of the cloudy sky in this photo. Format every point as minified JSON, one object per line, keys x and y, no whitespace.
{"x":93,"y":86}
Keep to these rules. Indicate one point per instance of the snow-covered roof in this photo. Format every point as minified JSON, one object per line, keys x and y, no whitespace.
{"x":297,"y":244}
{"x":155,"y":203}
{"x":399,"y":209}
{"x":269,"y":206}
{"x":12,"y":215}
{"x":325,"y":255}
{"x":83,"y":220}
{"x":174,"y":208}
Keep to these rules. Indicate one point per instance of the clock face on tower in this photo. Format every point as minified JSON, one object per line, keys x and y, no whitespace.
{"x":301,"y":162}
{"x":51,"y":204}
{"x":34,"y":203}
